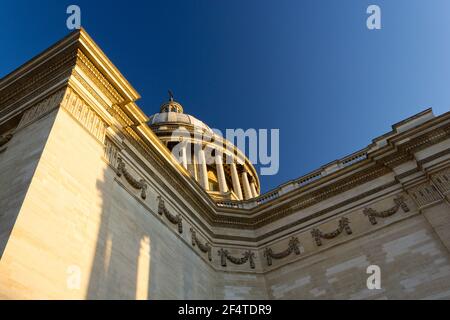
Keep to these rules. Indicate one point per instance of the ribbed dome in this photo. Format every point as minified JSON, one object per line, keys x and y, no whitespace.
{"x":171,"y":112}
{"x":205,"y":159}
{"x":177,"y":118}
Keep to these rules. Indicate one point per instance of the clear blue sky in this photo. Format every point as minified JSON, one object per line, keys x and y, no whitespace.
{"x":310,"y":68}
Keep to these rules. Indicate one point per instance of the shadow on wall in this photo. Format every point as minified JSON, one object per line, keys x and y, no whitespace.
{"x":121,"y":266}
{"x":137,"y":256}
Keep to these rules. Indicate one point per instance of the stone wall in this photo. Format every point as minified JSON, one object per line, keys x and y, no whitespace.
{"x":77,"y":218}
{"x":414,"y":265}
{"x":81,"y":218}
{"x":93,"y":205}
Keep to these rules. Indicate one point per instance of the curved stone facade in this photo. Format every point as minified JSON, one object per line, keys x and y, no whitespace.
{"x":95,"y":206}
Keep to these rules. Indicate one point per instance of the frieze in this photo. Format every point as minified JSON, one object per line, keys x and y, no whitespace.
{"x":175,"y":219}
{"x":88,"y":67}
{"x":246,"y":256}
{"x":111,"y":153}
{"x":205,"y":248}
{"x":425,"y":194}
{"x":42,"y":108}
{"x":442,"y":180}
{"x":31,"y":81}
{"x":344,"y":225}
{"x":293,"y":246}
{"x":433,"y":137}
{"x":373,"y":214}
{"x":137,"y":184}
{"x":113,"y":110}
{"x":84,"y":114}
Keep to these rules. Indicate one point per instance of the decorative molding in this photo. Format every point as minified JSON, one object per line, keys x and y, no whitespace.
{"x":344,"y":225}
{"x":42,"y":108}
{"x":111,"y":153}
{"x":246,"y":256}
{"x":442,"y":180}
{"x":293,"y":246}
{"x":372,"y":214}
{"x":85,"y":115}
{"x":137,"y":184}
{"x":104,"y":85}
{"x":33,"y":80}
{"x":5,"y":139}
{"x":114,"y":110}
{"x":175,"y":219}
{"x":320,"y":213}
{"x":322,"y":194}
{"x":205,"y":248}
{"x":425,"y":194}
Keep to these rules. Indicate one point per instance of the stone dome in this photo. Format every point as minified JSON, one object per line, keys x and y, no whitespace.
{"x":205,"y":161}
{"x":176,"y":118}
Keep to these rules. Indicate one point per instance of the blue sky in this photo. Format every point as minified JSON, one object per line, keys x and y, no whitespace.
{"x":310,"y":68}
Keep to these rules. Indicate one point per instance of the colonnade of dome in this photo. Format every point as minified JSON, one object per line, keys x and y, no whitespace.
{"x":214,"y":162}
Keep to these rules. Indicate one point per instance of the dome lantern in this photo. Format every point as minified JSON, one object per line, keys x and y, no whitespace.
{"x":171,"y":105}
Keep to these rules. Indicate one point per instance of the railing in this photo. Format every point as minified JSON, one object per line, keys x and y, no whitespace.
{"x":297,"y":183}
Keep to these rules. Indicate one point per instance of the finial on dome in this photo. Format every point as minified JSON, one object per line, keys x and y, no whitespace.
{"x":171,"y":105}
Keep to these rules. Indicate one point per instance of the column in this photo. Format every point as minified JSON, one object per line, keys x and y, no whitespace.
{"x":203,"y":170}
{"x":235,"y":179}
{"x":253,"y":187}
{"x":194,"y":167}
{"x":184,"y":157}
{"x":221,"y":174}
{"x":247,"y":191}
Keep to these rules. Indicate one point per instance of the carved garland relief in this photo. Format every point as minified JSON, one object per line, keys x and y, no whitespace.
{"x":206,"y":248}
{"x":372,"y":214}
{"x":137,"y":184}
{"x":175,"y":219}
{"x":293,"y":246}
{"x":344,"y":225}
{"x":246,"y":256}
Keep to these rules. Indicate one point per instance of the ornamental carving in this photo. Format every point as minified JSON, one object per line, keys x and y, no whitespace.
{"x":425,"y":194}
{"x":42,"y":108}
{"x":104,"y":85}
{"x":137,"y":184}
{"x":44,"y":74}
{"x":344,"y":225}
{"x":246,"y":256}
{"x":206,"y":248}
{"x":5,"y":139}
{"x":175,"y":219}
{"x":442,"y":180}
{"x":111,"y":153}
{"x":372,"y":214}
{"x":293,"y":246}
{"x":84,"y":114}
